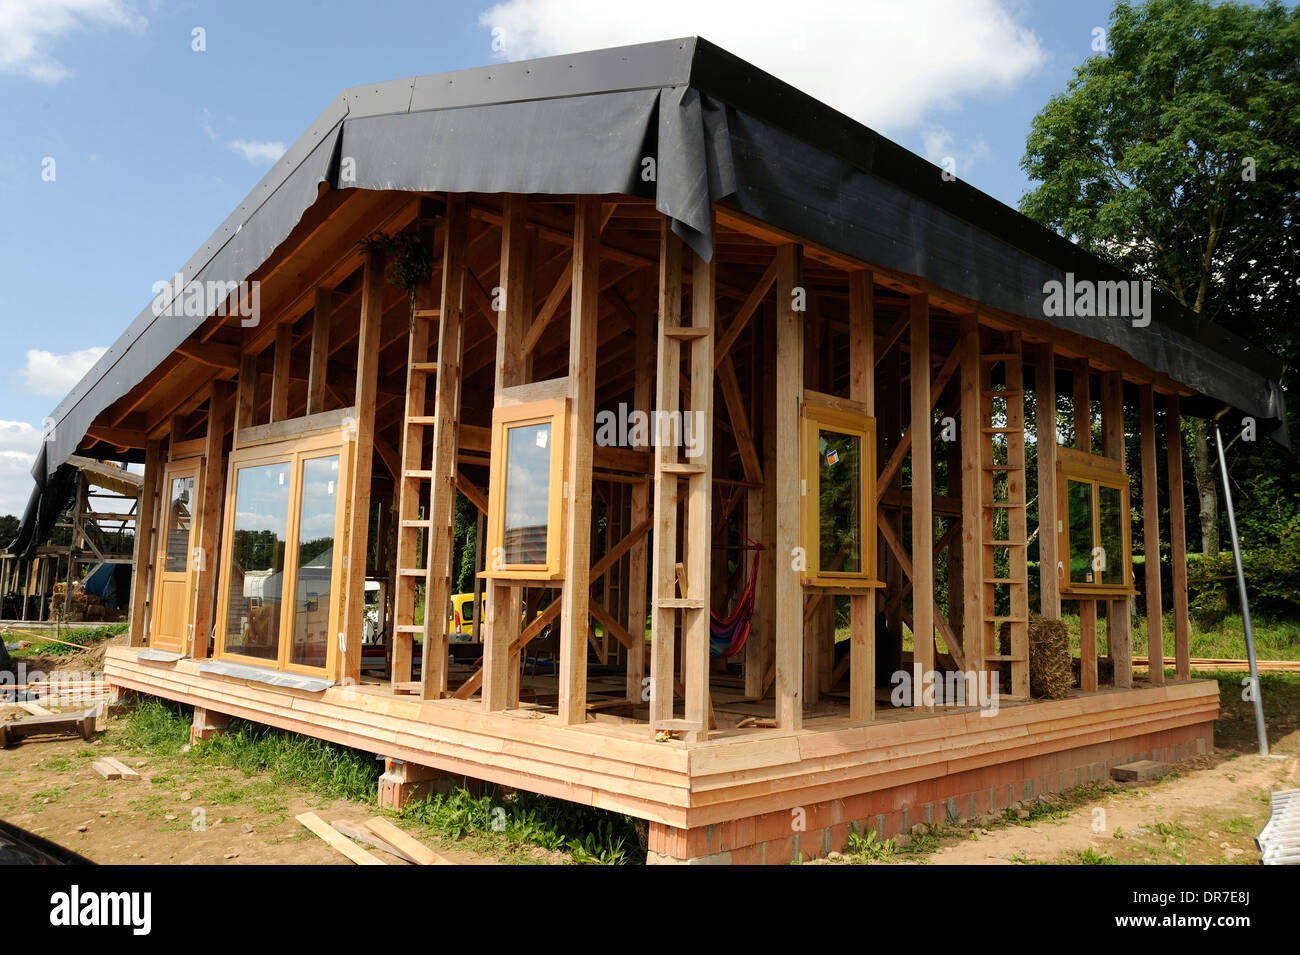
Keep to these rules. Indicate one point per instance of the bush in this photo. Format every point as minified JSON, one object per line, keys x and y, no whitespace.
{"x":1272,"y":584}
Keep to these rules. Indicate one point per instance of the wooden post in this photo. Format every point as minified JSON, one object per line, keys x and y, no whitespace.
{"x":638,"y":557}
{"x":280,"y":371}
{"x":1151,"y":537}
{"x":789,"y":393}
{"x":922,"y":492}
{"x":699,"y":500}
{"x":367,"y":390}
{"x":442,"y":481}
{"x":505,"y":602}
{"x":972,"y":509}
{"x":249,"y":378}
{"x":862,"y":607}
{"x":320,"y":350}
{"x":583,"y":313}
{"x":142,"y":560}
{"x":663,"y":619}
{"x":1049,"y":557}
{"x":1178,"y":539}
{"x":214,"y":488}
{"x":1119,"y":629}
{"x":764,"y":523}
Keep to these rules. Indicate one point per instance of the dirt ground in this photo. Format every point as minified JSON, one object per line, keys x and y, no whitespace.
{"x":173,"y":815}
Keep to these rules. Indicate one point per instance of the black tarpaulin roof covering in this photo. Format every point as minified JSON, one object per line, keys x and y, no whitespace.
{"x":721,"y":130}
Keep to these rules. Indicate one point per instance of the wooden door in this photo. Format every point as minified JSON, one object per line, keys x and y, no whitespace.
{"x":176,"y":560}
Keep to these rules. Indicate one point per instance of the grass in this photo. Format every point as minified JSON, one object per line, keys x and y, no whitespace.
{"x":84,"y":636}
{"x":493,"y":822}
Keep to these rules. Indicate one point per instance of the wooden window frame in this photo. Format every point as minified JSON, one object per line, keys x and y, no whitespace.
{"x":293,"y":452}
{"x":814,"y":416}
{"x":555,"y":412}
{"x":1096,"y":471}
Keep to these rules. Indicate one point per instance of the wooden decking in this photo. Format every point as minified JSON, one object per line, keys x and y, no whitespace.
{"x":614,"y":764}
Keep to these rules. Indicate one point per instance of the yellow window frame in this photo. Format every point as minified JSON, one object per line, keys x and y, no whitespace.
{"x":1097,"y":472}
{"x":293,"y":452}
{"x":505,"y":418}
{"x":815,"y":417}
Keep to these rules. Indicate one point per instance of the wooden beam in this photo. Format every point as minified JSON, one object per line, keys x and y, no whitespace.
{"x":789,"y":392}
{"x":1177,"y":539}
{"x":143,"y":548}
{"x":442,"y":482}
{"x":1119,"y":630}
{"x":1049,"y":571}
{"x":280,"y":372}
{"x":1151,"y":535}
{"x":699,"y":499}
{"x":972,"y":480}
{"x":751,"y":304}
{"x":212,"y":354}
{"x":638,"y":557}
{"x":550,"y":306}
{"x":249,"y":380}
{"x":213,"y":498}
{"x":1082,"y":400}
{"x":862,"y":607}
{"x":583,"y":314}
{"x":320,"y":347}
{"x":505,"y":602}
{"x":922,"y":490}
{"x":363,"y":449}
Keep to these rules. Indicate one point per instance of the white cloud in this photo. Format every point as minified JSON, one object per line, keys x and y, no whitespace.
{"x":205,"y":124}
{"x":28,"y":28}
{"x":939,"y":144}
{"x":19,"y":442}
{"x":258,"y":152}
{"x":49,"y":374}
{"x":885,"y":63}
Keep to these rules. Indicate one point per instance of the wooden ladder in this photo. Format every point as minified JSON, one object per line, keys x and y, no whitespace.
{"x":669,"y":574}
{"x":414,"y":499}
{"x":1003,"y":512}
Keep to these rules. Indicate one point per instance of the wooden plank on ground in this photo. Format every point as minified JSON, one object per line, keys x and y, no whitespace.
{"x":122,"y":769}
{"x":358,"y":832}
{"x":413,"y":849}
{"x":338,"y":841}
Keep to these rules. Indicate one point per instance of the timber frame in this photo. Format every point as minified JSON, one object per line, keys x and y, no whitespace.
{"x":671,"y":658}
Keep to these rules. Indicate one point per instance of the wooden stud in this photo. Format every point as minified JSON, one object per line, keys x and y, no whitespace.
{"x":638,"y":557}
{"x":789,"y":393}
{"x":143,"y":549}
{"x":1119,"y":633}
{"x":922,"y":491}
{"x":1049,"y":571}
{"x":249,"y":379}
{"x":372,"y":299}
{"x":280,"y":371}
{"x":442,"y":481}
{"x":862,"y":607}
{"x":1087,"y":607}
{"x":505,"y":602}
{"x":1151,"y":536}
{"x":583,"y":314}
{"x":320,"y":348}
{"x":1178,"y":539}
{"x":213,"y":477}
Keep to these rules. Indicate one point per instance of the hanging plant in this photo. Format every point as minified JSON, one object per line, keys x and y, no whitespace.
{"x":409,"y":256}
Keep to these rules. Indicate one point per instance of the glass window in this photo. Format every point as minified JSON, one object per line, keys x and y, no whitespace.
{"x":1112,"y":514}
{"x":1079,"y":498}
{"x":309,"y":636}
{"x":257,"y":547}
{"x":839,"y":500}
{"x":527,"y":493}
{"x":179,"y":520}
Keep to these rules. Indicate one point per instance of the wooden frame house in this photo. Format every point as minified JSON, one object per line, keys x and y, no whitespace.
{"x":747,"y":396}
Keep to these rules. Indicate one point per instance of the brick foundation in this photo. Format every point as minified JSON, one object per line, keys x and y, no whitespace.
{"x":815,"y":830}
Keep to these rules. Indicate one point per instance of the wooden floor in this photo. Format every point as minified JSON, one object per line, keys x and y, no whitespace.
{"x":612,"y":763}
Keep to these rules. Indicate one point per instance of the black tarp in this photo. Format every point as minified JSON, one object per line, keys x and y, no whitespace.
{"x":720,"y":130}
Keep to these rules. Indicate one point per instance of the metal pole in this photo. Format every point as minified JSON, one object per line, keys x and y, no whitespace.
{"x":1241,"y":590}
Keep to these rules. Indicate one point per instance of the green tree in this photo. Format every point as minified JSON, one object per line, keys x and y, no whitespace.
{"x":1174,"y":154}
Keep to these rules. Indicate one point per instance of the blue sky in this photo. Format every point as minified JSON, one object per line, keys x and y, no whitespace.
{"x":154,"y":142}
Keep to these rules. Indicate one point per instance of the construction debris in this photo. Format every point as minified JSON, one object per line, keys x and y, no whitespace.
{"x":418,"y":852}
{"x":112,"y":768}
{"x":338,"y":841}
{"x":82,"y":723}
{"x":1279,"y":840}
